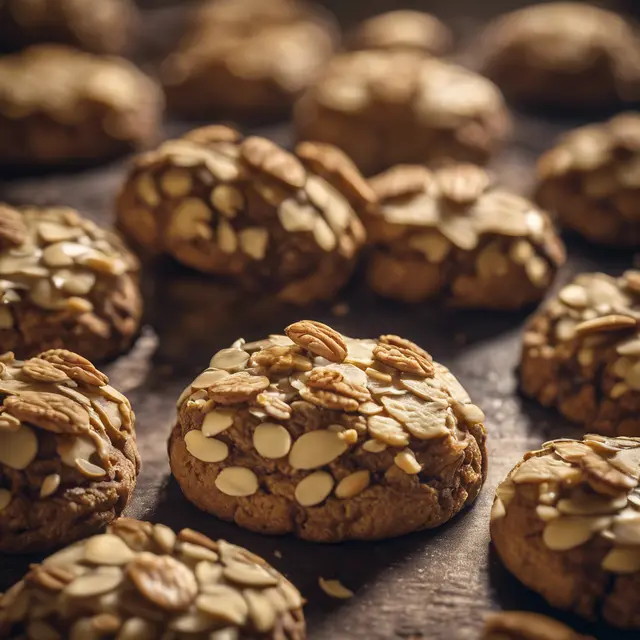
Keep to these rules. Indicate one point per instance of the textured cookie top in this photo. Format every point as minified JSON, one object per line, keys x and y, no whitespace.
{"x":594,"y":313}
{"x":228,"y":204}
{"x":59,"y":423}
{"x":524,"y":625}
{"x":601,"y":160}
{"x":96,"y":26}
{"x":335,"y":396}
{"x":403,"y":29}
{"x":62,"y":83}
{"x":583,"y":490}
{"x":567,"y":37}
{"x":57,"y":260}
{"x":140,"y":580}
{"x":461,"y":203}
{"x":281,"y":41}
{"x":436,"y":93}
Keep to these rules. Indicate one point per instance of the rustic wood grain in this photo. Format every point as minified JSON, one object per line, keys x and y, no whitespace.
{"x":433,"y":585}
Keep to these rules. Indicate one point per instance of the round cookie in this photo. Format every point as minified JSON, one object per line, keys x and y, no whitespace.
{"x":68,"y":456}
{"x":566,"y":54}
{"x":581,"y":353}
{"x":247,"y":209}
{"x":452,"y":233}
{"x":387,"y":107}
{"x":247,"y":57}
{"x":58,"y":104}
{"x":143,"y":581}
{"x":328,"y":437}
{"x":590,"y":179}
{"x":101,"y":27}
{"x":65,"y":282}
{"x":524,"y":625}
{"x":566,"y":522}
{"x":405,"y":30}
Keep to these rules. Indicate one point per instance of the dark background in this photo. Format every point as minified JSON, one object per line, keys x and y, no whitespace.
{"x":433,"y":585}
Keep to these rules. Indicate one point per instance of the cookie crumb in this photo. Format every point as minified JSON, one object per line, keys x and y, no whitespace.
{"x":277,"y":554}
{"x":335,"y":589}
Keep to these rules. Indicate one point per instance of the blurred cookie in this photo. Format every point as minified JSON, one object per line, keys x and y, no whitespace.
{"x":524,"y":625}
{"x":247,"y":57}
{"x":141,"y":581}
{"x":387,"y":107}
{"x":566,"y":522}
{"x":453,"y":233}
{"x":405,"y":30}
{"x":65,"y":282}
{"x":328,"y":437}
{"x":100,"y":27}
{"x":68,"y":456}
{"x":581,"y":353}
{"x":563,"y":53}
{"x":591,"y":180}
{"x":245,"y":208}
{"x":58,"y":105}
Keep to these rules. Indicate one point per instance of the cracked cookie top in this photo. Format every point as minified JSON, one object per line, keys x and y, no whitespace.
{"x":141,"y":580}
{"x":314,"y":405}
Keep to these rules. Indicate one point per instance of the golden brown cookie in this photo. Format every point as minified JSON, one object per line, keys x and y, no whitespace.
{"x":563,"y":54}
{"x":247,"y":57}
{"x":65,"y":282}
{"x":388,"y":107}
{"x":403,"y":30}
{"x":523,"y":625}
{"x":453,"y":233}
{"x":58,"y":104}
{"x":328,"y":437}
{"x":68,"y":456}
{"x":101,"y":27}
{"x":141,"y":581}
{"x":566,"y":522}
{"x":581,"y":353}
{"x":591,"y":180}
{"x":245,"y":208}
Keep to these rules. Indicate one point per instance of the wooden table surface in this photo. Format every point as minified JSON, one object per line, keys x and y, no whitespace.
{"x":433,"y":585}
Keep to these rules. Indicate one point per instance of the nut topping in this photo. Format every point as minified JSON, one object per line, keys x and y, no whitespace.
{"x":319,"y":339}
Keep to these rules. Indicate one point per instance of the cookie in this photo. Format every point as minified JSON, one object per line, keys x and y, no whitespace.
{"x":247,"y":57}
{"x":524,"y":625}
{"x":566,"y":54}
{"x":581,"y":353}
{"x":244,"y":208}
{"x":590,"y":180}
{"x":141,"y":580}
{"x":328,"y":437}
{"x":68,"y":456}
{"x":566,"y":523}
{"x":388,"y":107}
{"x":66,"y":283}
{"x":100,"y":27}
{"x":405,"y":30}
{"x":453,"y":233}
{"x":61,"y":105}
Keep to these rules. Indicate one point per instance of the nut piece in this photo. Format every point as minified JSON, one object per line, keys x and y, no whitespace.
{"x":319,"y":339}
{"x":237,"y":482}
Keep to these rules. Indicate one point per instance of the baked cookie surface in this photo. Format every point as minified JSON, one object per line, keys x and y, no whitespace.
{"x":68,"y":456}
{"x":566,"y":522}
{"x":65,"y":282}
{"x":581,"y":353}
{"x":143,"y":581}
{"x":247,"y":57}
{"x":388,"y":107}
{"x":247,"y":209}
{"x":61,"y":105}
{"x":591,"y":181}
{"x":100,"y":27}
{"x":453,"y":233}
{"x":328,"y":437}
{"x":567,"y":54}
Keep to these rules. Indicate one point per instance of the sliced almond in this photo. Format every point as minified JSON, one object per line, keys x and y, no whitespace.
{"x":96,"y":583}
{"x":569,"y":532}
{"x":237,"y":481}
{"x":271,"y":441}
{"x":388,"y":431}
{"x":107,"y":549}
{"x":249,"y":575}
{"x":89,"y":469}
{"x":315,"y":449}
{"x":353,"y":484}
{"x":205,"y":449}
{"x":18,"y":448}
{"x":217,"y":421}
{"x":232,"y":359}
{"x":406,"y":461}
{"x":335,"y":589}
{"x":374,"y":446}
{"x":223,"y":603}
{"x":254,"y":242}
{"x":176,"y":183}
{"x":207,"y":378}
{"x":261,"y":610}
{"x":314,"y":489}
